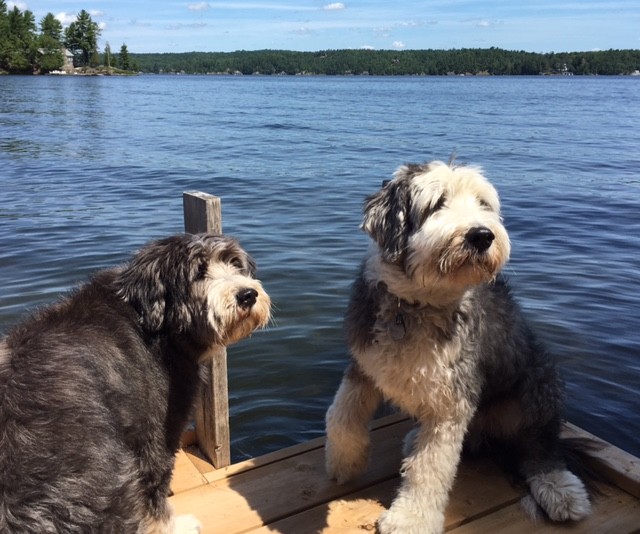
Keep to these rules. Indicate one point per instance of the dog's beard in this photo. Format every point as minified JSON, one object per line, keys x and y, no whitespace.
{"x":244,"y":322}
{"x":230,"y":321}
{"x":452,"y":269}
{"x":439,"y":258}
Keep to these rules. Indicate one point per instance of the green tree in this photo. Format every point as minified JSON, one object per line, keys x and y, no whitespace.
{"x":108,"y":59}
{"x":51,"y":27}
{"x":81,"y":37}
{"x":4,"y":36}
{"x":50,"y":44}
{"x":123,"y":59}
{"x":20,"y":47}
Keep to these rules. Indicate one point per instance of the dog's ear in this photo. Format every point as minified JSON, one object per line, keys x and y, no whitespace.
{"x":157,"y":281}
{"x":141,"y":285}
{"x":387,"y":218}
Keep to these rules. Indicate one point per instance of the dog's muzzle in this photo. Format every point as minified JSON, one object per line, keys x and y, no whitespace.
{"x":246,"y":298}
{"x":479,"y":238}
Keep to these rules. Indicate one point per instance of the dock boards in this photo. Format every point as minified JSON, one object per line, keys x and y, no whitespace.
{"x":288,"y":492}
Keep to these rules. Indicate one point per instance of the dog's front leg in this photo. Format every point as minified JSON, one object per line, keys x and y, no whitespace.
{"x":427,"y":473}
{"x":347,"y":447}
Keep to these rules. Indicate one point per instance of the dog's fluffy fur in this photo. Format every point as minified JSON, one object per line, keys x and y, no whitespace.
{"x":432,"y":328}
{"x":96,"y":390}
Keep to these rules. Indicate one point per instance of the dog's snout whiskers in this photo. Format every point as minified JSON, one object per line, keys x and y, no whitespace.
{"x":479,"y":238}
{"x":246,"y":297}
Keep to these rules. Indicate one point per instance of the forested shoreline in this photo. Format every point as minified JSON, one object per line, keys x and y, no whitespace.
{"x":476,"y":61}
{"x":30,"y":48}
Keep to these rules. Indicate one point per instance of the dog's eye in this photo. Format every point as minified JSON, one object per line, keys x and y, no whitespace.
{"x":484,"y":204}
{"x":237,"y":263}
{"x":439,"y":204}
{"x":436,"y":207}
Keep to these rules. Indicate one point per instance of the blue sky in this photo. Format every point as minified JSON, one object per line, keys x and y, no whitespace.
{"x":183,"y":26}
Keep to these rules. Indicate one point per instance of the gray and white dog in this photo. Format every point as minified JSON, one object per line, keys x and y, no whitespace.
{"x":95,"y":391}
{"x":432,"y":328}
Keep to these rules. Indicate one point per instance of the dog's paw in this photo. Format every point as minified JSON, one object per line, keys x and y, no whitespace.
{"x":399,"y":520}
{"x":346,"y":463}
{"x":561,"y":494}
{"x":186,"y":524}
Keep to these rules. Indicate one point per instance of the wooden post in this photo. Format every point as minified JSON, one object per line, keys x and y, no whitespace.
{"x":202,"y":213}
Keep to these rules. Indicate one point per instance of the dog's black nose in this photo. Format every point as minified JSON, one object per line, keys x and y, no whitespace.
{"x":480,"y":238}
{"x":246,"y":297}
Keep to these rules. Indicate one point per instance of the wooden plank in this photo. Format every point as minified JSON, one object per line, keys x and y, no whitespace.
{"x":614,"y":513}
{"x":212,"y":412}
{"x":481,"y":488}
{"x":185,"y":474}
{"x":356,"y":513}
{"x":615,"y":465}
{"x":203,"y":213}
{"x":301,"y":448}
{"x":288,"y":492}
{"x":264,"y":494}
{"x":360,"y":510}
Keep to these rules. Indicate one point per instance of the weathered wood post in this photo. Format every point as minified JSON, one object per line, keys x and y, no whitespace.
{"x":202,"y":213}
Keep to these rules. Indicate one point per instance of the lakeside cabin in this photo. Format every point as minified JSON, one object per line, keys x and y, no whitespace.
{"x":288,"y":491}
{"x":67,"y":55}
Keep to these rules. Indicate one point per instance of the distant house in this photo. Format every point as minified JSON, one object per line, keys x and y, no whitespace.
{"x":67,"y":55}
{"x":68,"y":60}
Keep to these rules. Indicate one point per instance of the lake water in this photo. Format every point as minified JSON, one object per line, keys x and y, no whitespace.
{"x":91,"y":168}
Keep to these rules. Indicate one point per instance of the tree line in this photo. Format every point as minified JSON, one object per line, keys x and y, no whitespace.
{"x":489,"y":61}
{"x":27,"y":48}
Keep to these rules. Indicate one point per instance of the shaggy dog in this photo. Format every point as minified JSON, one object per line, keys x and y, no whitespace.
{"x":433,"y":329}
{"x":96,"y":390}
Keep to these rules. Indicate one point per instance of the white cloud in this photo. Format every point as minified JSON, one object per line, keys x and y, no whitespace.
{"x":367,"y":47}
{"x":96,"y":13}
{"x":66,"y":18}
{"x":199,"y":6}
{"x":483,"y":24}
{"x":398,"y":44}
{"x":22,"y":6}
{"x":335,"y":6}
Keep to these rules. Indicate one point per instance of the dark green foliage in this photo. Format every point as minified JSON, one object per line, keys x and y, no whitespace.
{"x":81,"y":37}
{"x":51,"y":56}
{"x":123,"y":58}
{"x":50,"y":45}
{"x":18,"y":46}
{"x":51,"y":27}
{"x":494,"y":61}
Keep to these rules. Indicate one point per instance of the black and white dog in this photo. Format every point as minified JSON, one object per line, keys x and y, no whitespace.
{"x":432,"y":328}
{"x":96,"y":390}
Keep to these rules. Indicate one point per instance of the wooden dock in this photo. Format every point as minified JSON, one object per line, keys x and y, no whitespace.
{"x":288,"y":492}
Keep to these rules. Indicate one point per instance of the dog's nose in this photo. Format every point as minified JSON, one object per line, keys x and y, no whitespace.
{"x":246,"y":297}
{"x":480,"y":238}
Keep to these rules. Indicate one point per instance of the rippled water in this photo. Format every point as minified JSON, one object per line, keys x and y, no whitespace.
{"x":91,"y":168}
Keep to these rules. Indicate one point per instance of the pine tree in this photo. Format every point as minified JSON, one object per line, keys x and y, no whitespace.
{"x":21,"y":46}
{"x":123,"y":58}
{"x":81,"y":37}
{"x":108,"y":58}
{"x":50,"y":44}
{"x":51,"y":27}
